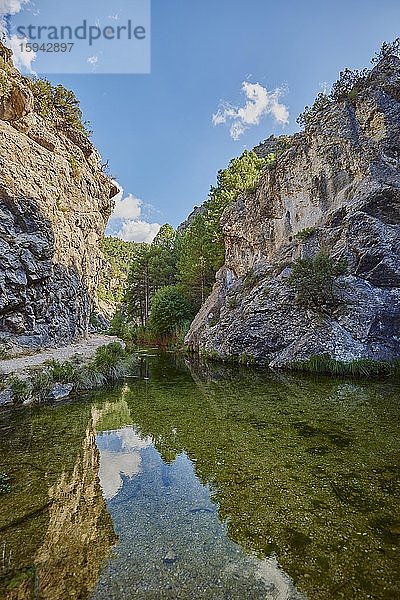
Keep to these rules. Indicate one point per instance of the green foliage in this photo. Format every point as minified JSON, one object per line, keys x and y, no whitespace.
{"x":232,"y":302}
{"x":387,"y":49}
{"x":117,"y":323}
{"x":57,"y":99}
{"x":304,"y":234}
{"x":20,"y":388}
{"x":89,"y":378}
{"x":250,"y":280}
{"x":75,"y":165}
{"x":363,"y":367}
{"x":284,"y":143}
{"x":4,"y":354}
{"x":108,"y":355}
{"x":40,"y":385}
{"x":347,"y":87}
{"x":202,"y":248}
{"x":314,"y":280}
{"x":321,"y":102}
{"x":109,"y":361}
{"x":62,"y":372}
{"x":43,"y":96}
{"x":67,"y":106}
{"x":170,"y":309}
{"x":113,"y":279}
{"x":4,"y":483}
{"x":154,"y":267}
{"x":5,"y":86}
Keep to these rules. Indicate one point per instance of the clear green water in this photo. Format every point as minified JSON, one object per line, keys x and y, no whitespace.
{"x":201,"y":481}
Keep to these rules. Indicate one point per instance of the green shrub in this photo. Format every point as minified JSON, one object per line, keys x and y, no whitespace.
{"x":232,"y":302}
{"x":347,"y":87}
{"x":314,"y":280}
{"x":109,"y":361}
{"x":66,"y":105}
{"x":387,"y":49}
{"x":250,"y":279}
{"x":4,"y":353}
{"x":321,"y":102}
{"x":5,"y":86}
{"x":41,"y":384}
{"x":43,"y":96}
{"x":284,"y":143}
{"x":169,"y":310}
{"x":20,"y":388}
{"x":63,"y":102}
{"x":75,"y":165}
{"x":64,"y":372}
{"x":89,"y":378}
{"x":304,"y":234}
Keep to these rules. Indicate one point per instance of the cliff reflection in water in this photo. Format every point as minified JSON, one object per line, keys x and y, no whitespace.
{"x":304,"y":469}
{"x":172,"y":543}
{"x":220,"y":482}
{"x":78,"y":538}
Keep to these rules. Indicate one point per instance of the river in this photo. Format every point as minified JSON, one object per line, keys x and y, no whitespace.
{"x":195,"y":480}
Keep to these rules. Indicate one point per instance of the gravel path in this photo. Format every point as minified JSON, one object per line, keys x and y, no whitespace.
{"x":84,"y":348}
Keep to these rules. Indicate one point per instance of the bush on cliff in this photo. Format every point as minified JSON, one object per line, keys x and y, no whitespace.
{"x":315,"y":280}
{"x":50,"y":98}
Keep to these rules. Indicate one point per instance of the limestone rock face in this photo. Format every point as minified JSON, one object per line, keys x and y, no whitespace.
{"x":54,"y":205}
{"x":340,"y":180}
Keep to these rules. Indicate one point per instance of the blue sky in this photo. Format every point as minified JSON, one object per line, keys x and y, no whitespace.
{"x":156,"y":130}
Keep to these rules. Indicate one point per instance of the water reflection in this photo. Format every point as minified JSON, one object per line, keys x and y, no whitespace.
{"x":172,"y":543}
{"x":119,"y":457}
{"x":78,"y":538}
{"x":218,"y":482}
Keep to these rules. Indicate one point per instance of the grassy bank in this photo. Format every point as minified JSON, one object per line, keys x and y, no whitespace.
{"x":362,"y":367}
{"x":110,"y":364}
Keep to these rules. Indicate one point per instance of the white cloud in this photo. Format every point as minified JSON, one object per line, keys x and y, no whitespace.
{"x":260,"y":102}
{"x":21,"y":59}
{"x":127,"y":208}
{"x":93,"y":60}
{"x":125,"y":222}
{"x":138,"y":231}
{"x":11,"y":7}
{"x":124,"y":460}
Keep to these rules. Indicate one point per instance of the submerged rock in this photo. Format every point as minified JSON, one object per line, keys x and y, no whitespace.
{"x":337,"y":189}
{"x":170,"y":558}
{"x":60,"y":391}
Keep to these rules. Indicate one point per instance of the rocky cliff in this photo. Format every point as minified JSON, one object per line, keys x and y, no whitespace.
{"x":55,"y":201}
{"x":336,"y":189}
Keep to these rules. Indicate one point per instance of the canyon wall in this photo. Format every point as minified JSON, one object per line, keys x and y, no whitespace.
{"x":55,"y":201}
{"x":335,"y":189}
